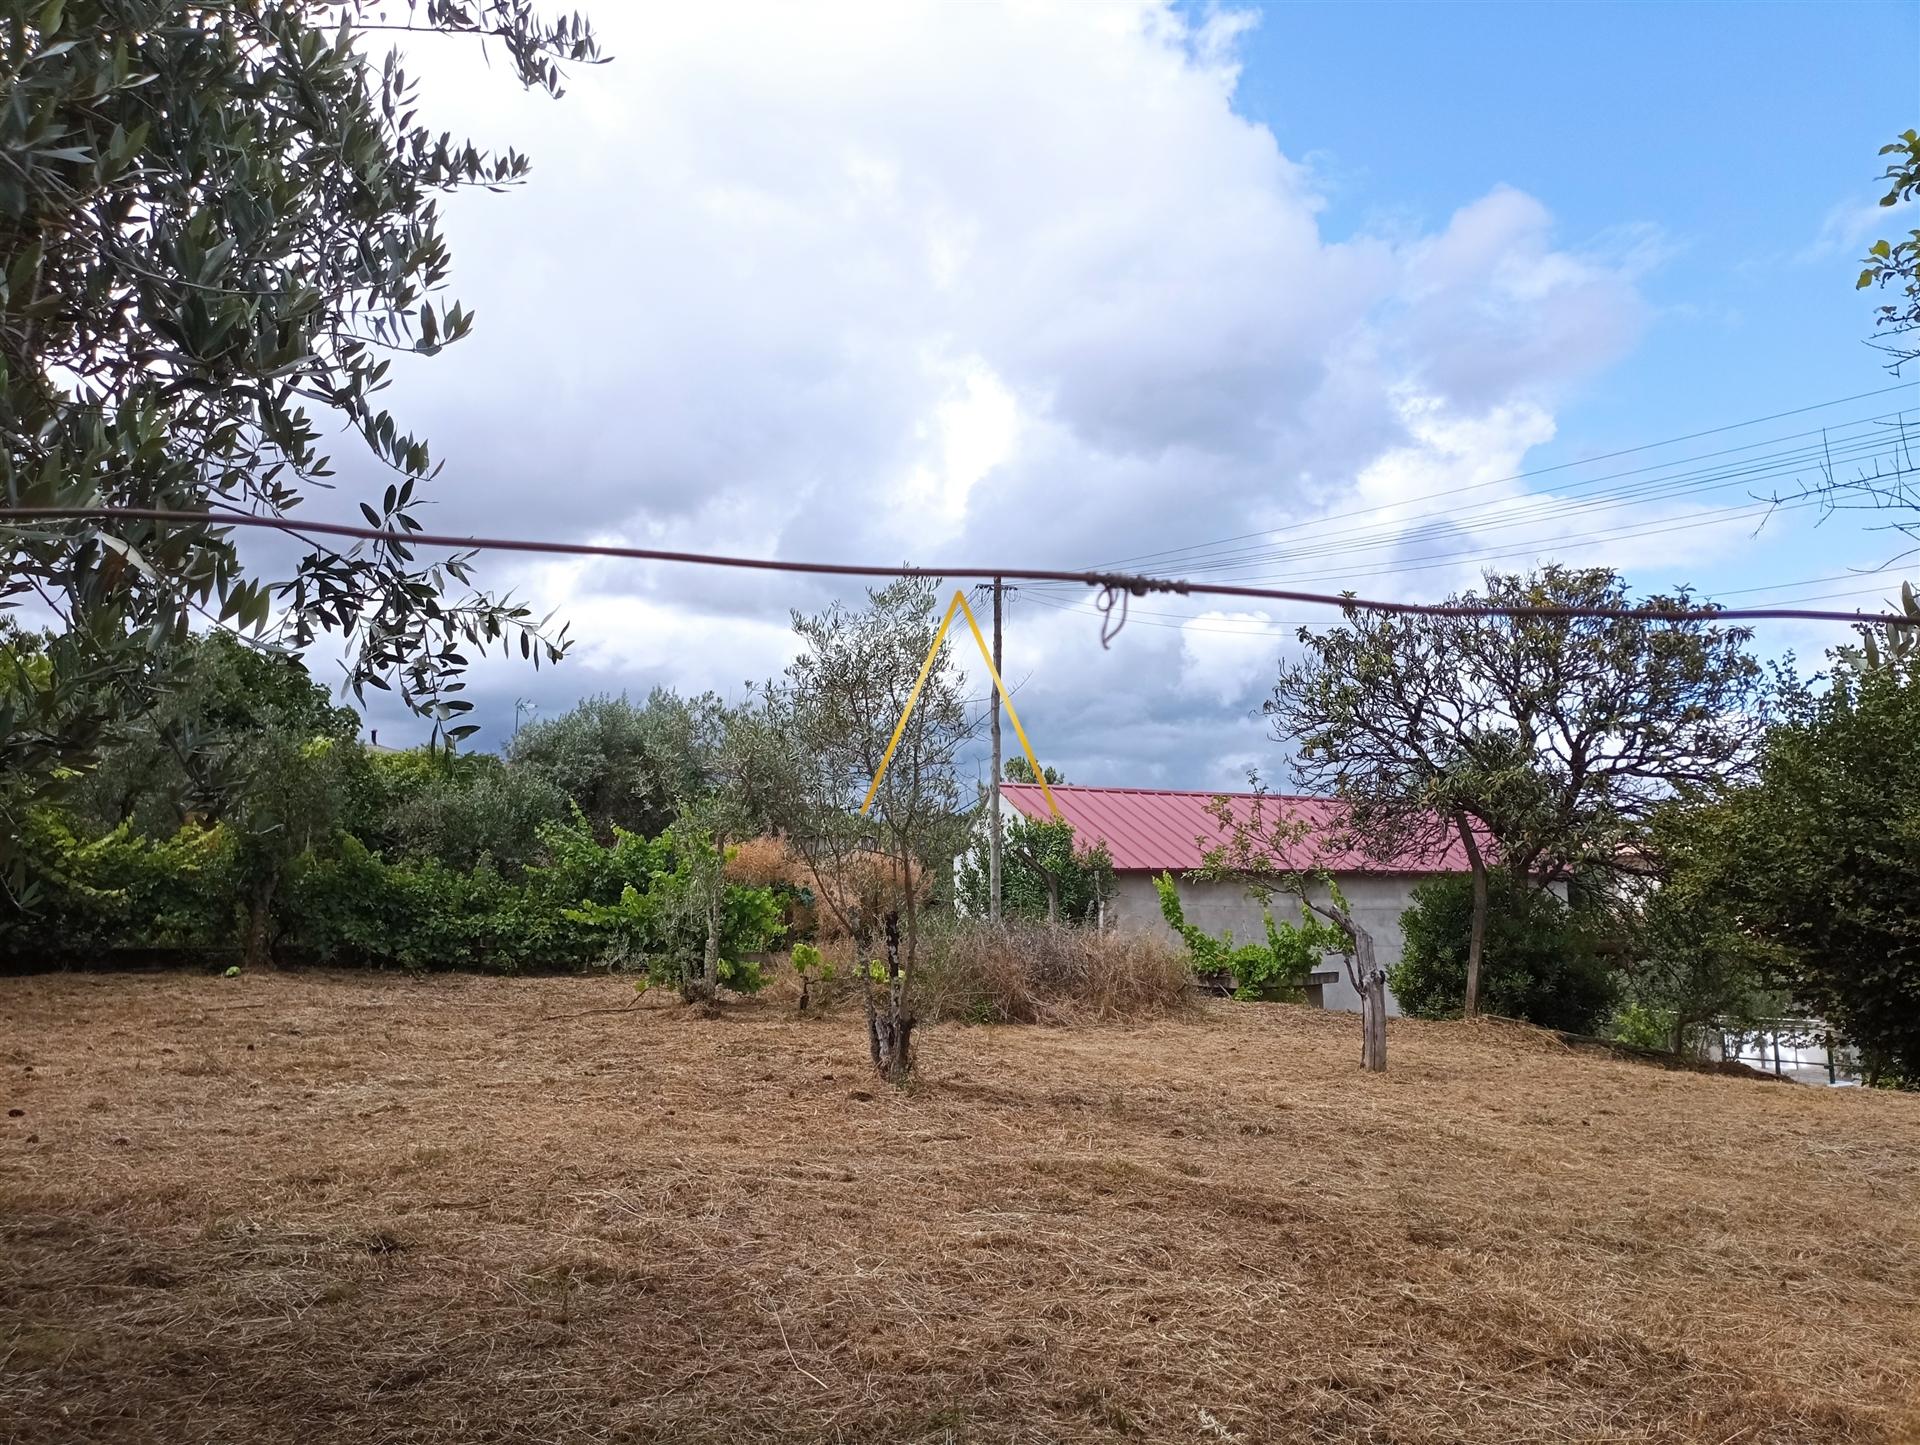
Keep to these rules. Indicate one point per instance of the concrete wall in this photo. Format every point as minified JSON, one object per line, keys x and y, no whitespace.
{"x":1377,"y":901}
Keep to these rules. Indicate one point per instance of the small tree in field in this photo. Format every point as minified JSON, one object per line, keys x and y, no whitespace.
{"x":744,"y":773}
{"x":845,"y":693}
{"x":1270,"y":853}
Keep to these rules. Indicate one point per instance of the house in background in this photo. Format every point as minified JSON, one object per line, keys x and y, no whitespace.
{"x":1150,"y":831}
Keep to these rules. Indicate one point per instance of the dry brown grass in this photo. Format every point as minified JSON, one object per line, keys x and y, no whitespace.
{"x":323,"y":1208}
{"x":1030,"y":973}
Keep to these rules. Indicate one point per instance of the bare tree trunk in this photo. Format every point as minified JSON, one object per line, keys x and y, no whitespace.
{"x":1373,"y":1003}
{"x":890,"y":1017}
{"x":1477,"y":934}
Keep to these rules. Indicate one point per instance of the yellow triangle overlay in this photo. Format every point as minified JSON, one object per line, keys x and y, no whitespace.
{"x":959,"y":604}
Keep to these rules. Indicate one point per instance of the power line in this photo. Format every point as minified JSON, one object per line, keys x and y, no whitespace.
{"x":1518,"y":512}
{"x":1117,"y":586}
{"x":1173,"y":552}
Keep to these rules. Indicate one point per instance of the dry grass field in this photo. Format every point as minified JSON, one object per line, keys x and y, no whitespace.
{"x":327,"y":1208}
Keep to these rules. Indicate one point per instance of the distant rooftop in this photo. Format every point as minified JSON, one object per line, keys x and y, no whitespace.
{"x":1162,"y":828}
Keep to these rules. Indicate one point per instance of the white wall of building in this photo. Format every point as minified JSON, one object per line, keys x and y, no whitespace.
{"x":1377,"y":901}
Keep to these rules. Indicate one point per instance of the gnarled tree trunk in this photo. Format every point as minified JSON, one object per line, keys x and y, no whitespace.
{"x":1477,"y":934}
{"x":1373,"y":1002}
{"x":890,"y":1013}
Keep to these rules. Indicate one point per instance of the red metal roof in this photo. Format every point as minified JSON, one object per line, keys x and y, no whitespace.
{"x":1155,"y":828}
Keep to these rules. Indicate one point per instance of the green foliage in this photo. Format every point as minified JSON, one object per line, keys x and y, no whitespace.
{"x":220,"y":223}
{"x":624,"y":765}
{"x":482,"y":811}
{"x":1018,"y":770}
{"x":810,"y":965}
{"x":1275,"y":970}
{"x":1556,"y":734}
{"x":1545,"y":962}
{"x":1816,"y":865}
{"x":96,"y":895}
{"x":1643,"y":1026}
{"x":1695,"y":963}
{"x":621,"y":904}
{"x":1032,"y":849}
{"x":1895,"y":265}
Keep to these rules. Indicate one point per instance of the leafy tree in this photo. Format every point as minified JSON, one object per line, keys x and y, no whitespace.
{"x":1544,"y":962}
{"x":1553,"y":736}
{"x":1694,"y":964}
{"x":1890,"y":266}
{"x":1047,"y":875}
{"x":473,"y":810}
{"x":186,"y":755}
{"x":847,"y":690}
{"x":1817,"y":863}
{"x":237,"y":738}
{"x":1018,"y":770}
{"x":218,"y":222}
{"x":741,"y":780}
{"x":626,"y":765}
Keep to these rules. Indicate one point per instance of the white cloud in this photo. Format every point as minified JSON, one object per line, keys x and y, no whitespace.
{"x":1007,"y":283}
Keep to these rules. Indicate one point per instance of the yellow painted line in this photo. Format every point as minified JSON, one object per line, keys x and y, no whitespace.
{"x":959,"y":604}
{"x":1001,"y":696}
{"x":912,"y":697}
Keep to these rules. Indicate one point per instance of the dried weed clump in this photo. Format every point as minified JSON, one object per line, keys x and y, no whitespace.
{"x":1038,"y":973}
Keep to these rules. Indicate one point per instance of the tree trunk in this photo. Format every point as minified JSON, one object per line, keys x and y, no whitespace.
{"x":1477,"y":934}
{"x":259,"y":926}
{"x":1373,"y":1003}
{"x":705,"y":988}
{"x":890,"y":1016}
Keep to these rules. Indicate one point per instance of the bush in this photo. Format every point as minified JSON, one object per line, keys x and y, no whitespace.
{"x":462,"y":817}
{"x":120,"y":891}
{"x":1544,"y":962}
{"x":1275,"y":971}
{"x":1035,"y":973}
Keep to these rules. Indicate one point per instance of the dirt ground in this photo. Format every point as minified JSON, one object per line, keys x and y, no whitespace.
{"x":324,"y":1208}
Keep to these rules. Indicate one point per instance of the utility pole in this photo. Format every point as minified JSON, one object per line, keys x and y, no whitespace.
{"x":993,"y":844}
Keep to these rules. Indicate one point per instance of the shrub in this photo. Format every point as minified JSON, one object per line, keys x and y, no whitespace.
{"x":1544,"y":962}
{"x":462,"y":817}
{"x":1037,"y":852}
{"x":621,"y":904}
{"x":1027,"y":972}
{"x":94,"y":896}
{"x":1274,"y":971}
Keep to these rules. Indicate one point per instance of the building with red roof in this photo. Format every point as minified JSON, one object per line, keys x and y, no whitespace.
{"x":1149,"y":831}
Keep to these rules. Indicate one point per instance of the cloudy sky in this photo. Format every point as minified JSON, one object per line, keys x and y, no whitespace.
{"x":1293,"y":294}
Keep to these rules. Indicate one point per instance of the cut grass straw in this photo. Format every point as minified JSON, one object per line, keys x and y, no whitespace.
{"x":319,"y":1208}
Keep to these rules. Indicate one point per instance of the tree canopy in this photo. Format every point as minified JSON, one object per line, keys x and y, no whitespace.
{"x":219,"y":223}
{"x":1815,"y":867}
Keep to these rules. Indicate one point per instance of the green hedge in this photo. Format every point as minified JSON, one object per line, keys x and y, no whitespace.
{"x":628,"y":903}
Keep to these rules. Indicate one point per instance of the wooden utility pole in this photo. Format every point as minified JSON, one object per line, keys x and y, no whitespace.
{"x":993,"y":844}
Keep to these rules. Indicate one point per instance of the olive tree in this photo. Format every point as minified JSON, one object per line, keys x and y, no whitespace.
{"x":218,"y":225}
{"x":843,"y":697}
